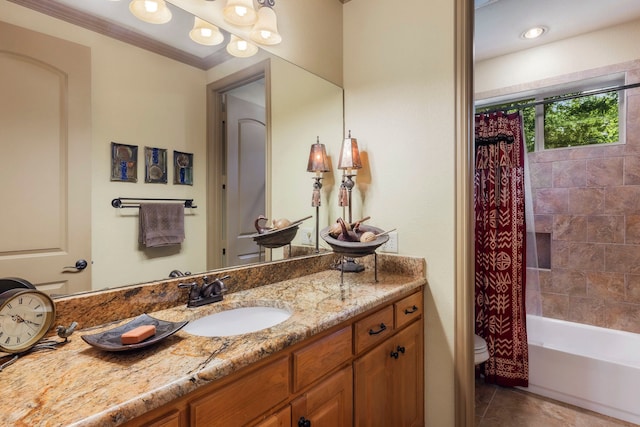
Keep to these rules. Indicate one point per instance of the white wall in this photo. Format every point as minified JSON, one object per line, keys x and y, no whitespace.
{"x":399,"y":103}
{"x":138,"y":98}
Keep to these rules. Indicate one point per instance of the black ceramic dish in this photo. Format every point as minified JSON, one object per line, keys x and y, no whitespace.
{"x":110,"y":340}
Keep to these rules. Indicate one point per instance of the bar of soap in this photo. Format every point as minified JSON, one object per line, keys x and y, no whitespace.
{"x":138,"y":334}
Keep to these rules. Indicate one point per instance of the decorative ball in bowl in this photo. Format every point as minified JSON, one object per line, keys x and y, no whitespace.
{"x":355,"y":249}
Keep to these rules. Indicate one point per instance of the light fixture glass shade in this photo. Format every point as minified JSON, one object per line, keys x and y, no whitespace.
{"x":318,"y":161}
{"x":205,"y":33}
{"x":240,"y":12}
{"x":349,"y":154}
{"x":265,"y":30}
{"x":241,"y":48}
{"x":151,"y":11}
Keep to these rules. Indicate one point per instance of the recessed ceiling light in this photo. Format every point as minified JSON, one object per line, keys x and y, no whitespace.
{"x":533,"y":33}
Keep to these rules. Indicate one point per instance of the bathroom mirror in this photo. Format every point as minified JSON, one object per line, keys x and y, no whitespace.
{"x":115,"y":254}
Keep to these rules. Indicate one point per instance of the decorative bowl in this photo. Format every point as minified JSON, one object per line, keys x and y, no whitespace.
{"x":278,"y":237}
{"x":355,"y":249}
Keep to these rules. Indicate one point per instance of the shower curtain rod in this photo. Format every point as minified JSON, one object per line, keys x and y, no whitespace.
{"x":561,"y":98}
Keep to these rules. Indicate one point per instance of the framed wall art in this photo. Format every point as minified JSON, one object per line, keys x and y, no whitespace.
{"x":155,"y":165}
{"x":183,"y":168}
{"x":124,"y":162}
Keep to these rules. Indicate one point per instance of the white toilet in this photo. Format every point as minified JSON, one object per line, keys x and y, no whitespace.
{"x":480,"y":351}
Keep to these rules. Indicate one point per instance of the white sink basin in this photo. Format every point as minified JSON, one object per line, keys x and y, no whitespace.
{"x":237,"y":321}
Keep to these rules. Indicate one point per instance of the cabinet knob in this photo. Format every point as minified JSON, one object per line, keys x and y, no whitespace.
{"x":394,"y":354}
{"x":400,"y":349}
{"x":303,"y":422}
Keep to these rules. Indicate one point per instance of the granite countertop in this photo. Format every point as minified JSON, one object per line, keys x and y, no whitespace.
{"x":81,"y":385}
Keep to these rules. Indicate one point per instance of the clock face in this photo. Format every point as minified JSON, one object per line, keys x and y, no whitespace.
{"x":25,"y":316}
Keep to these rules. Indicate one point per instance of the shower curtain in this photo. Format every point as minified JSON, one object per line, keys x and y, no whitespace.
{"x":500,"y":244}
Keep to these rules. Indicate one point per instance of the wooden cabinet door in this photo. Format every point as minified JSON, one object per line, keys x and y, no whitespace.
{"x":389,"y":380}
{"x":407,"y":381}
{"x":328,"y":404}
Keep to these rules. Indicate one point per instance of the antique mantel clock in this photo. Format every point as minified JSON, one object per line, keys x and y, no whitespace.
{"x":26,"y":314}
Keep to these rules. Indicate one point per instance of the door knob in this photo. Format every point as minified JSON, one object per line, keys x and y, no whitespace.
{"x":81,"y":264}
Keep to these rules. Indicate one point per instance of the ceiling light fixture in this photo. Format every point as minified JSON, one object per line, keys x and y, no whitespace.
{"x":534,"y":32}
{"x":151,"y":11}
{"x":265,"y":30}
{"x":240,"y":12}
{"x":205,"y":33}
{"x":241,"y":48}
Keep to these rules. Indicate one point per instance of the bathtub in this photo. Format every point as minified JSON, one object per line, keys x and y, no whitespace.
{"x":586,"y":366}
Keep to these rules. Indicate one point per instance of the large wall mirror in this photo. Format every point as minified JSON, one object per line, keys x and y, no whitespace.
{"x":158,"y":98}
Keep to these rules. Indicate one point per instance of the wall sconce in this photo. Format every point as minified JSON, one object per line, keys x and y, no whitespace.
{"x":241,"y":48}
{"x":319,"y":164}
{"x":265,"y":30}
{"x":349,"y":160}
{"x":205,"y":33}
{"x":151,"y":11}
{"x":240,"y":12}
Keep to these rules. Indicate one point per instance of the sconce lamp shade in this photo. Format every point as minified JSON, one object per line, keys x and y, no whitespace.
{"x":318,"y":161}
{"x":349,"y":154}
{"x":241,"y":48}
{"x":205,"y":33}
{"x":151,"y":11}
{"x":240,"y":12}
{"x":265,"y":30}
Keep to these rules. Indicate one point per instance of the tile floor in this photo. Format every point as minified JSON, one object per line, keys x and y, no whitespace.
{"x":508,"y":407}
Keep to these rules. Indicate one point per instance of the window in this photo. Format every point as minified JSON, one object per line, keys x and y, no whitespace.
{"x":577,"y":115}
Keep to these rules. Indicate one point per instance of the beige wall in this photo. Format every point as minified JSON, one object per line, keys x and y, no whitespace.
{"x":142,"y":99}
{"x":399,"y":102}
{"x":311,"y":32}
{"x":577,"y":54}
{"x":304,"y":107}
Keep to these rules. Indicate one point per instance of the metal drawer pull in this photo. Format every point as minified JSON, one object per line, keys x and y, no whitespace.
{"x":383,"y":327}
{"x":412,"y":310}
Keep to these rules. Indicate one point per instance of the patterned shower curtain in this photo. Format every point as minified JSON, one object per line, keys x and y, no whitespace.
{"x":500,"y":246}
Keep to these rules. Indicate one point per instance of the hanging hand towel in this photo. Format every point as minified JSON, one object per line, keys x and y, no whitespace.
{"x":161,"y":224}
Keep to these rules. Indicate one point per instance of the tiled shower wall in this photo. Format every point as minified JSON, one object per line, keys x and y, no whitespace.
{"x":587,"y":199}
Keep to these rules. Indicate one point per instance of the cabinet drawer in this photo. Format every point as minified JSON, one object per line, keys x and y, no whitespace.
{"x":245,"y":399}
{"x":374,"y":328}
{"x":320,"y":357}
{"x":408,"y":309}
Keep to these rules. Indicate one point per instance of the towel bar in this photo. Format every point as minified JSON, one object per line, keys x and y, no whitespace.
{"x":128,"y":202}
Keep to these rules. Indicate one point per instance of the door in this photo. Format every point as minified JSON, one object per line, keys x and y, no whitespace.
{"x":45,"y":136}
{"x":246,"y":170}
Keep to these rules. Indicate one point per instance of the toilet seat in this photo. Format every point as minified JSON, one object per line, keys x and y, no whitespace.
{"x":481,"y":352}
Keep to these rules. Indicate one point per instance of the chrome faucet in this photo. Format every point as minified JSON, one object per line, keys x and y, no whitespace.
{"x":207,"y":293}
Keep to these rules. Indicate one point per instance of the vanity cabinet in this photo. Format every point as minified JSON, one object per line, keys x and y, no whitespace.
{"x":367,"y":371}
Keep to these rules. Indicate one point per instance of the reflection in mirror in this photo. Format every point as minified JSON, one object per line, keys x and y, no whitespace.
{"x":136,"y":97}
